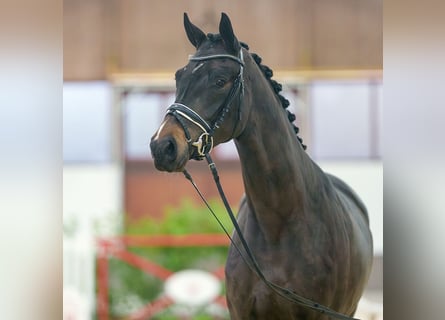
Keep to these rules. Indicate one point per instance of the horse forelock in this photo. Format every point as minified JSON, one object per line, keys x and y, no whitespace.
{"x":214,"y":37}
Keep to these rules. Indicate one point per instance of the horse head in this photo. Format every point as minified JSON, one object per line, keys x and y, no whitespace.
{"x":209,"y":90}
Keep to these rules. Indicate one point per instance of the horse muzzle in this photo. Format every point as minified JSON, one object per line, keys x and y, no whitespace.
{"x":169,"y":150}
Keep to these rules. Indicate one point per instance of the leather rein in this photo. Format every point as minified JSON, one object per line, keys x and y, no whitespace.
{"x":204,"y":145}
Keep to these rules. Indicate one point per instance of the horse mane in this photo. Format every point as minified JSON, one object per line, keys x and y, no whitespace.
{"x":277,"y":87}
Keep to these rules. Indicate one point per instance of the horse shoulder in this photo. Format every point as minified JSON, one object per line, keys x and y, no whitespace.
{"x":341,"y":187}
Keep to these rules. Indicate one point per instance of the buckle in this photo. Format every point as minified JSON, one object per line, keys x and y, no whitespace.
{"x":204,"y":144}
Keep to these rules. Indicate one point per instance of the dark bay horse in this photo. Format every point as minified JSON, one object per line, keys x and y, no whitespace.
{"x":307,"y":229}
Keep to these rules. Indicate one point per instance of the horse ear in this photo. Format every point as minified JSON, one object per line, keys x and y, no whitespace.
{"x":226,"y":32}
{"x":195,"y":35}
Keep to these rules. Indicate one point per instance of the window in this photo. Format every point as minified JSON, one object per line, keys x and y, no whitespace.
{"x":344,"y":119}
{"x":143,"y":113}
{"x":86,"y":121}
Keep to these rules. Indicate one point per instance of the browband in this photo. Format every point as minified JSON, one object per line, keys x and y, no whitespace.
{"x":217,"y":56}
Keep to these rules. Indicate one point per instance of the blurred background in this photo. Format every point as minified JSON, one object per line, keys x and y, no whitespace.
{"x":119,"y":63}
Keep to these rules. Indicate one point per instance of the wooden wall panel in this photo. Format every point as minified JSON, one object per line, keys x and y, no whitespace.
{"x":153,"y":36}
{"x":370,"y":40}
{"x":347,"y":34}
{"x":84,"y":39}
{"x":103,"y":36}
{"x":335,"y":34}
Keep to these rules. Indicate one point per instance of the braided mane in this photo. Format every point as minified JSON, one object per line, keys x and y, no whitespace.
{"x":277,"y":88}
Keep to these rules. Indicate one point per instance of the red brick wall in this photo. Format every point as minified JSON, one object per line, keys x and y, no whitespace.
{"x":148,"y":191}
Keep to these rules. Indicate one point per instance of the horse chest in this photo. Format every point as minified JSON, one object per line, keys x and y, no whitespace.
{"x":249,"y":298}
{"x":288,"y":262}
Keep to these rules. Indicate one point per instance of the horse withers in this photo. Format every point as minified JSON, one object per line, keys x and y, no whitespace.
{"x":308,"y":230}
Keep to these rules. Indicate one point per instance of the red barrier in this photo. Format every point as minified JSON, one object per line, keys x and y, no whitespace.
{"x":117,"y":247}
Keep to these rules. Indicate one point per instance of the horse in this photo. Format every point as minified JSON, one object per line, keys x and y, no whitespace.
{"x":308,"y":230}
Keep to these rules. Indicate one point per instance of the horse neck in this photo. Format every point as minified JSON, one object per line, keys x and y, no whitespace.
{"x":277,"y":172}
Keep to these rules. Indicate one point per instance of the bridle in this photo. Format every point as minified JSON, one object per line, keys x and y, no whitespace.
{"x":204,"y":143}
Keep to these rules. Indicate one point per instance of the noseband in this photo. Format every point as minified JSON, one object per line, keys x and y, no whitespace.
{"x":181,"y":112}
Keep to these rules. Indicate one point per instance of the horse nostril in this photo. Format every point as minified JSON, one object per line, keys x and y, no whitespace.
{"x":164,"y":152}
{"x":170,"y":149}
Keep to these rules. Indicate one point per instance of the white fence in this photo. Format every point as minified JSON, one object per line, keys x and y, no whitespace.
{"x":79,"y":276}
{"x":92,"y":205}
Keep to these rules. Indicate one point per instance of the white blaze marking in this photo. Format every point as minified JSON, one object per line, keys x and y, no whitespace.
{"x":160,"y":129}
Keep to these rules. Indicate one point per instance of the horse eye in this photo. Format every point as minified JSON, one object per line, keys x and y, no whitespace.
{"x":220,"y":82}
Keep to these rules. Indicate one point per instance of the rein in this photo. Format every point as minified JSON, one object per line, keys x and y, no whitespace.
{"x":250,"y":259}
{"x":204,"y":145}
